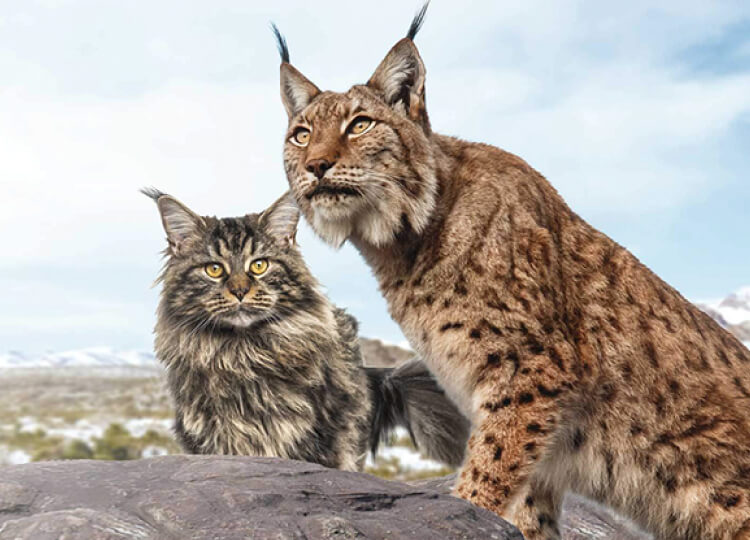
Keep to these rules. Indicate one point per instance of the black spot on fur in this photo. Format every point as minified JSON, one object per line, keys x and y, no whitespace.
{"x":651,"y":354}
{"x":498,"y":453}
{"x":475,"y":333}
{"x":493,"y":359}
{"x":525,"y":398}
{"x":534,"y":428}
{"x":579,"y":437}
{"x":547,"y":392}
{"x":451,"y":326}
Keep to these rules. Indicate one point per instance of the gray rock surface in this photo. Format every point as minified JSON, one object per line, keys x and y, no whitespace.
{"x":581,"y":518}
{"x":211,"y":497}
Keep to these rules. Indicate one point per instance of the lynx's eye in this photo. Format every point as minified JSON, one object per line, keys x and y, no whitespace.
{"x":259,"y":266}
{"x":214,"y":270}
{"x":360,"y":125}
{"x":300,"y":137}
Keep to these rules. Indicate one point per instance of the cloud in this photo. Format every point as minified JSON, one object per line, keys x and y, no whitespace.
{"x":604,"y":100}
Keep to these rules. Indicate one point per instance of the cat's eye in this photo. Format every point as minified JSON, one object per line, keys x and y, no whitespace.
{"x":301,"y":136}
{"x":259,"y":266}
{"x":214,"y":270}
{"x":360,"y":125}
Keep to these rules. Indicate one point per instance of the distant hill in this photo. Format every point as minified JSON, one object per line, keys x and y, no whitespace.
{"x":376,"y":354}
{"x":732,"y":313}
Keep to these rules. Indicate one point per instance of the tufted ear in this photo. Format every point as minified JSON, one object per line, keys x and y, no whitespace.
{"x":400,"y":77}
{"x":180,"y":223}
{"x":280,"y":220}
{"x":296,"y":90}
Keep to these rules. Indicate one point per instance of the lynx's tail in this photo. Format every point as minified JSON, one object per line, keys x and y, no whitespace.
{"x":408,"y":396}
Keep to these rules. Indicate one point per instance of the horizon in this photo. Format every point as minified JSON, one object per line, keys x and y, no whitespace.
{"x":637,"y":114}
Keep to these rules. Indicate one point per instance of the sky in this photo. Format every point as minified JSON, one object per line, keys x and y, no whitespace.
{"x":637,"y":112}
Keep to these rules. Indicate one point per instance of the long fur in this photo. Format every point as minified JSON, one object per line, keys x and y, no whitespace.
{"x":409,"y":397}
{"x":580,"y":369}
{"x":278,"y":372}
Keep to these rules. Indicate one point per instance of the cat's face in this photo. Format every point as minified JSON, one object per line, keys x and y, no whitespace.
{"x":233,"y":272}
{"x":360,"y":162}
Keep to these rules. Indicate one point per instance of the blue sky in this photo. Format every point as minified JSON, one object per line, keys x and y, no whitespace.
{"x":637,"y":112}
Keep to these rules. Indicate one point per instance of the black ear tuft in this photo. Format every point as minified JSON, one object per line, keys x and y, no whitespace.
{"x":280,"y":44}
{"x":152,"y":193}
{"x":417,"y":21}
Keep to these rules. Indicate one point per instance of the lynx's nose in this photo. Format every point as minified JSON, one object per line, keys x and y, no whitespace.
{"x":318,"y":167}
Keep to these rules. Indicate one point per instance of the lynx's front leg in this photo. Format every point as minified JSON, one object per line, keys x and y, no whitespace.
{"x":512,"y":437}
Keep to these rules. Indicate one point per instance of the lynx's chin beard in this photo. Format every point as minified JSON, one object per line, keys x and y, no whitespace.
{"x":375,"y":216}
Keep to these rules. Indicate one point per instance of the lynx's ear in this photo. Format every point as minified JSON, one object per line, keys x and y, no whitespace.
{"x":180,"y":223}
{"x":400,"y":77}
{"x":296,"y":90}
{"x":280,"y":221}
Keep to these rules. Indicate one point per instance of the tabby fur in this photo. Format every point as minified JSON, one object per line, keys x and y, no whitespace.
{"x":265,"y":365}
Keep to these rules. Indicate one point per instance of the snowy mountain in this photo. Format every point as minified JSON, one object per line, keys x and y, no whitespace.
{"x":91,"y":357}
{"x":732,"y":313}
{"x":376,"y":353}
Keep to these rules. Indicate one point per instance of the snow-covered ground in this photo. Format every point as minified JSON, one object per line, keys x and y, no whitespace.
{"x":76,"y":396}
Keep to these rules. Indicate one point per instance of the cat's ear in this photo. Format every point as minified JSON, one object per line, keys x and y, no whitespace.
{"x":400,"y":77}
{"x":280,"y":221}
{"x":181,"y":224}
{"x":296,"y":90}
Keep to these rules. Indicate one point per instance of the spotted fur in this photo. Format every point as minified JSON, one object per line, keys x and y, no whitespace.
{"x":579,"y":367}
{"x":265,"y":365}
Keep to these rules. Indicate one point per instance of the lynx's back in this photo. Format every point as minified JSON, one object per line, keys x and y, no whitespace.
{"x":580,"y":368}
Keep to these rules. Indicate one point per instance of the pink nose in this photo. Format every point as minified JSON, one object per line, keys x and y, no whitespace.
{"x":318,"y":167}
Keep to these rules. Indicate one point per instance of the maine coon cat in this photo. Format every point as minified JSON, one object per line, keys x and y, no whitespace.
{"x":260,"y":363}
{"x":580,"y":369}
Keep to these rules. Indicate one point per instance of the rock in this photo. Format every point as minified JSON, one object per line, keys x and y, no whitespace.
{"x":378,"y":354}
{"x":217,"y":497}
{"x":581,"y":518}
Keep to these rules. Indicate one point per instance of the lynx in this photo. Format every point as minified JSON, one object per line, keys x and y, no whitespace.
{"x":260,"y":363}
{"x":580,"y":369}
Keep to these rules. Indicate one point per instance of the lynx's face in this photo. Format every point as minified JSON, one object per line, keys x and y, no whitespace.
{"x":360,"y":163}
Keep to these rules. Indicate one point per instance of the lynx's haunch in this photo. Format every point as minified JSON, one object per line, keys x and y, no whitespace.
{"x":580,"y":368}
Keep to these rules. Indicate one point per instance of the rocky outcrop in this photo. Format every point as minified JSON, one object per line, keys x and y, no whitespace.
{"x":211,"y":497}
{"x":581,"y":518}
{"x":378,"y":354}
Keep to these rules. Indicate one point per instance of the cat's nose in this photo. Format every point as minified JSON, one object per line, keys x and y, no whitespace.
{"x":239,"y":292}
{"x":319,"y":166}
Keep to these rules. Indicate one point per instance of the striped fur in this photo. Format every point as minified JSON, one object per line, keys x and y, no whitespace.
{"x":277,"y":372}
